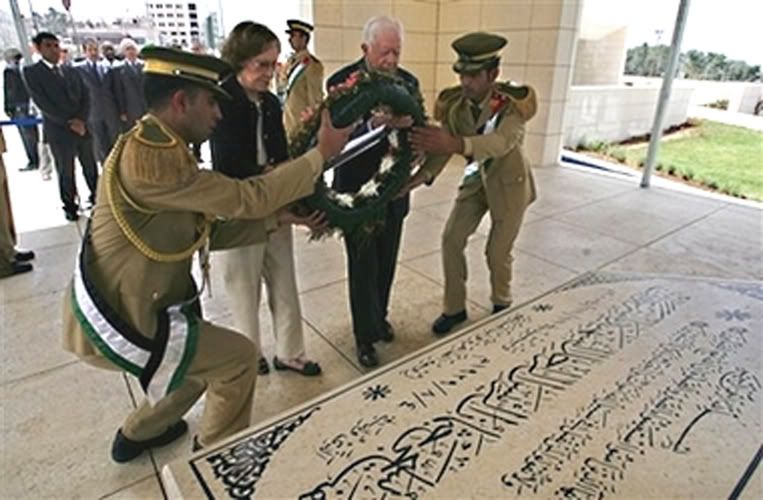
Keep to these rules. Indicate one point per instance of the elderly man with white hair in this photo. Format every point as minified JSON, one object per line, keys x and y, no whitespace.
{"x":130,"y":84}
{"x":372,"y":259}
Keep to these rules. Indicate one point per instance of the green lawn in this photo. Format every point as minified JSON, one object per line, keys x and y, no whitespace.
{"x":718,"y":156}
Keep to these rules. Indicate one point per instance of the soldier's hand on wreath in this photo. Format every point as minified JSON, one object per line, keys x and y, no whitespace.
{"x":435,"y":140}
{"x":315,"y":221}
{"x":331,"y":140}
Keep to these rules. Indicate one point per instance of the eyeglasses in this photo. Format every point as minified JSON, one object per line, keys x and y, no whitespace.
{"x":264,"y":65}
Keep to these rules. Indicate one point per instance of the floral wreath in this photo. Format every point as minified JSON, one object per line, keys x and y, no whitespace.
{"x":362,"y":212}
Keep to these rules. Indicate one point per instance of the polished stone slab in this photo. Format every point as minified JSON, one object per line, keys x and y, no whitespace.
{"x":615,"y":385}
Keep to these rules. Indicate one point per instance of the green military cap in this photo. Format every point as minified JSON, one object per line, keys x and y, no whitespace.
{"x":477,"y":51}
{"x":206,"y":71}
{"x":297,"y":25}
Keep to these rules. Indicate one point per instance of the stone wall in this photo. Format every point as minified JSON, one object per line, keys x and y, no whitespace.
{"x":613,"y":113}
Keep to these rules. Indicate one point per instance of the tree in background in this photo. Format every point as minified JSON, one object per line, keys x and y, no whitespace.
{"x":53,"y":21}
{"x":646,"y":60}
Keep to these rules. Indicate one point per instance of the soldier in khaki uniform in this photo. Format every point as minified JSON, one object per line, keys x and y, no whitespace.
{"x":132,"y":304}
{"x":484,"y":121}
{"x":300,"y":81}
{"x":12,"y":261}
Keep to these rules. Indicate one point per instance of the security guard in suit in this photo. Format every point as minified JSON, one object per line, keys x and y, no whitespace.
{"x":484,"y":121}
{"x":133,"y":303}
{"x":300,"y":82}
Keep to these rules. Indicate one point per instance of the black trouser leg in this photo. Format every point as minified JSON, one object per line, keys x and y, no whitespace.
{"x":99,"y":131}
{"x":63,"y":157}
{"x":89,"y":167}
{"x":363,"y":269}
{"x":30,"y":138}
{"x":388,"y":246}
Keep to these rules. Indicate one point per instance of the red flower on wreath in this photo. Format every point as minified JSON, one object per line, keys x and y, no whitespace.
{"x":497,"y":102}
{"x":349,"y":83}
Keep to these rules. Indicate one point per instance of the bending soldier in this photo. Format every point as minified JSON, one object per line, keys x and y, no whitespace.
{"x":131,"y":304}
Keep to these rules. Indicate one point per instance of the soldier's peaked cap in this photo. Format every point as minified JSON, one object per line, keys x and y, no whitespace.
{"x":206,"y":71}
{"x":297,"y":25}
{"x":477,"y":51}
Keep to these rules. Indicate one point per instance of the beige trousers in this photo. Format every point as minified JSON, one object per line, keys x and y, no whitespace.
{"x":224,"y":365}
{"x":465,"y":217}
{"x":244,"y":269}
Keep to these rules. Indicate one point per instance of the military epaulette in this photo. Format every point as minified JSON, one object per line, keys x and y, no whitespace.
{"x":154,"y":154}
{"x":152,"y":133}
{"x":315,"y":59}
{"x":521,"y":96}
{"x":445,"y":102}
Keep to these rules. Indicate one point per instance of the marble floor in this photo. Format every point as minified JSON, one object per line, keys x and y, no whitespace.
{"x":59,"y":416}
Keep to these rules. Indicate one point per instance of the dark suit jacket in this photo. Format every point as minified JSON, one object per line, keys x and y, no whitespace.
{"x":103,"y":93}
{"x":350,"y":177}
{"x":60,"y":99}
{"x":14,"y":91}
{"x":129,"y":90}
{"x":234,"y":143}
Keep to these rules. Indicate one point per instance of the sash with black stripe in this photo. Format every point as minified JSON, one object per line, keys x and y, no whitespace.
{"x":160,"y":363}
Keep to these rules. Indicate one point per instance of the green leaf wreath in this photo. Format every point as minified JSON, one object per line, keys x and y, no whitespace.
{"x":362,"y":212}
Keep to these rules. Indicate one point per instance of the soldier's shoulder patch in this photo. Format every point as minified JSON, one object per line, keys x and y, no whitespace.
{"x":152,"y":133}
{"x":522,"y":97}
{"x":446,"y":99}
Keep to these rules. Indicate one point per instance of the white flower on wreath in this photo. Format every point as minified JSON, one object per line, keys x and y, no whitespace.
{"x":386,"y":164}
{"x":344,"y":200}
{"x":392,"y":138}
{"x":369,"y":190}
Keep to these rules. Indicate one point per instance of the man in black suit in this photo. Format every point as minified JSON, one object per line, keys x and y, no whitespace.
{"x":372,"y":261}
{"x":99,"y":78}
{"x":17,"y":106}
{"x":129,"y":73}
{"x":63,"y":99}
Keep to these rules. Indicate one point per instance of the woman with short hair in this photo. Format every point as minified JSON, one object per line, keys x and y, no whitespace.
{"x":249,"y":140}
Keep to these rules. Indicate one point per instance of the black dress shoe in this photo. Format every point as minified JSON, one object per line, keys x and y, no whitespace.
{"x":262,"y":366}
{"x":71,"y":216}
{"x":367,"y":356}
{"x":23,"y":255}
{"x":28,"y":168}
{"x":124,"y":449}
{"x":388,"y":333}
{"x":446,"y":322}
{"x":17,"y":268}
{"x":500,"y":307}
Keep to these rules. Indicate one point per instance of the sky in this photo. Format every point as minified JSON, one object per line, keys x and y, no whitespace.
{"x":731,"y":27}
